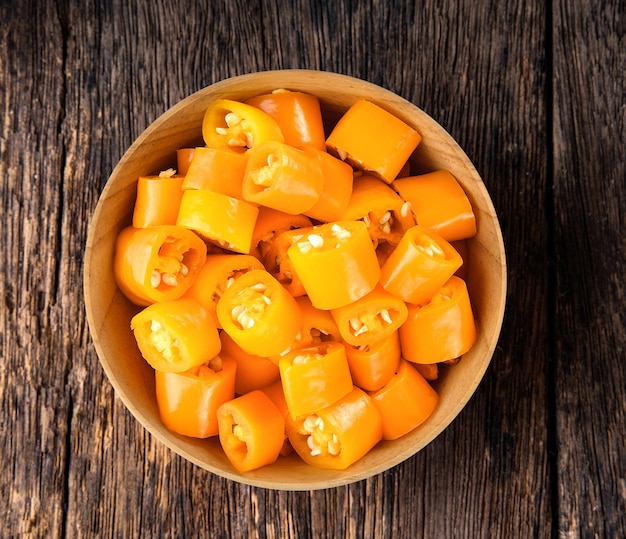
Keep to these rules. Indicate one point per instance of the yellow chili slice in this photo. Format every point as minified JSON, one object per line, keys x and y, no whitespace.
{"x":282,"y":177}
{"x":340,"y":434}
{"x":315,"y":377}
{"x":158,"y":198}
{"x":336,"y":263}
{"x":175,"y":336}
{"x":442,"y":329}
{"x":374,"y":140}
{"x":236,"y":126}
{"x":259,"y":314}
{"x":217,"y":273}
{"x":419,"y":266}
{"x":371,"y":318}
{"x":216,"y":170}
{"x":439,"y":203}
{"x":226,"y":221}
{"x":157,"y":263}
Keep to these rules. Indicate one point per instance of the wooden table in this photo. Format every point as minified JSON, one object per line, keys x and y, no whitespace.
{"x":534,"y":92}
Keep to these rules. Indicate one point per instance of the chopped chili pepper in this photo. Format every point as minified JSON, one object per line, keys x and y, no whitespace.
{"x":157,"y":201}
{"x":275,"y":392}
{"x":419,"y":266}
{"x":340,"y":434}
{"x":259,"y":314}
{"x":318,"y":325}
{"x":315,"y":377}
{"x":278,"y":263}
{"x":282,"y":177}
{"x":157,"y":263}
{"x":405,"y":402}
{"x":442,"y":329}
{"x":216,"y":275}
{"x":336,"y":263}
{"x":175,"y":336}
{"x":221,"y":219}
{"x":183,"y":158}
{"x":371,"y":318}
{"x":237,"y":126}
{"x":251,"y":431}
{"x":253,"y":372}
{"x":374,"y":140}
{"x":383,"y":211}
{"x":430,"y":371}
{"x":216,"y":170}
{"x":439,"y":202}
{"x":269,"y":224}
{"x":373,"y":365}
{"x":188,"y":401}
{"x":297,"y":114}
{"x":336,"y":187}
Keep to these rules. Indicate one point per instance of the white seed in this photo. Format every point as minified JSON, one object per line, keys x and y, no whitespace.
{"x":167,"y":173}
{"x":315,"y":240}
{"x":271,"y":159}
{"x":237,"y":311}
{"x":310,"y":423}
{"x":231,"y":119}
{"x":245,"y":320}
{"x":299,"y":360}
{"x":342,"y":154}
{"x":386,"y":228}
{"x":155,"y":325}
{"x":155,"y":278}
{"x":333,"y":446}
{"x":385,"y":218}
{"x":169,"y":279}
{"x":361,"y":330}
{"x":356,"y":324}
{"x":304,"y":246}
{"x":339,"y":232}
{"x":366,"y":220}
{"x":436,"y":249}
{"x":311,"y":443}
{"x":238,"y":432}
{"x":405,"y":209}
{"x":267,"y":300}
{"x":230,"y":282}
{"x":236,"y":142}
{"x":184,"y":270}
{"x":259,"y":287}
{"x":384,"y":314}
{"x":221,"y":130}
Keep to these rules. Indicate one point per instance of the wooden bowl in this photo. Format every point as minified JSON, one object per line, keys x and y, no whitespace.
{"x":109,"y":312}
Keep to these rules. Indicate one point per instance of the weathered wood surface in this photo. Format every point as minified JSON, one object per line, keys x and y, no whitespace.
{"x":533,"y":91}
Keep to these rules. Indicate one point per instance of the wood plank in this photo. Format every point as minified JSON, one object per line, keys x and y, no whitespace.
{"x":36,"y":343}
{"x":590,"y":261}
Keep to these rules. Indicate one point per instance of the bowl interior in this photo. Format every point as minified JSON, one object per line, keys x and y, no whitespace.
{"x":109,"y":312}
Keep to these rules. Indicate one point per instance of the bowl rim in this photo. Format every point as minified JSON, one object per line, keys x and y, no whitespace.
{"x":224,"y":88}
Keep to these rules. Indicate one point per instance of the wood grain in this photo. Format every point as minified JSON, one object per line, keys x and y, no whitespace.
{"x":535,"y":97}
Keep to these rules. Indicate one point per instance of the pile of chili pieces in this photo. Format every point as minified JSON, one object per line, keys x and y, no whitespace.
{"x":299,"y":291}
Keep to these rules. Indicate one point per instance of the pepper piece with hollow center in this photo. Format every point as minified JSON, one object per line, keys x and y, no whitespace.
{"x":340,"y":434}
{"x":336,"y":263}
{"x":404,"y":402}
{"x":315,"y":377}
{"x":441,"y":330}
{"x":157,"y":263}
{"x":188,"y":401}
{"x":372,"y":139}
{"x":175,"y":336}
{"x":251,"y":431}
{"x":371,"y":318}
{"x":419,"y":266}
{"x":282,"y":177}
{"x":237,"y":127}
{"x":259,"y":314}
